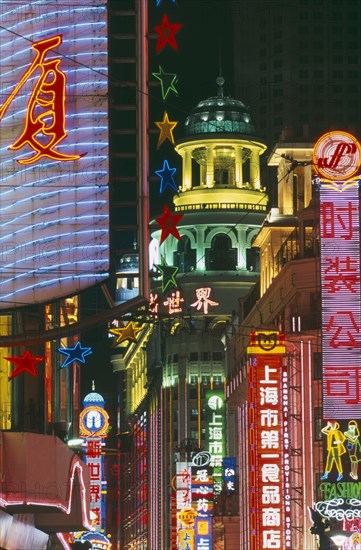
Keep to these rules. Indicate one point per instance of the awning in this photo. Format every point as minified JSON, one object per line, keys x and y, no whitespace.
{"x":40,"y":475}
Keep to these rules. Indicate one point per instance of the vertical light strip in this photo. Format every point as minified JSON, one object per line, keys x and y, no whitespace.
{"x":199,"y":411}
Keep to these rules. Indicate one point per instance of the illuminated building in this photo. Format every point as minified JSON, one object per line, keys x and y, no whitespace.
{"x":221,"y":203}
{"x":290,"y":302}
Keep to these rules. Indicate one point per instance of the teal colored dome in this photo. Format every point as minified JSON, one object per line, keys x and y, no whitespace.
{"x":93,"y":398}
{"x":219,"y":114}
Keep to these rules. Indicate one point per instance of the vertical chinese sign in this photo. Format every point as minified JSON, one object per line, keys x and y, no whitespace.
{"x":54,"y":234}
{"x":336,"y":160}
{"x":94,"y":427}
{"x":270,"y":514}
{"x":215,"y":440}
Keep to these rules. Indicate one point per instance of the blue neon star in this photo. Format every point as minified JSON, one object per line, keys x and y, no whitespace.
{"x":77,"y":353}
{"x":157,"y":2}
{"x":166,"y":177}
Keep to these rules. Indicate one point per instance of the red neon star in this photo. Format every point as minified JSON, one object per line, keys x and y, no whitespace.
{"x":25,"y":363}
{"x":166,"y":34}
{"x":169,"y":224}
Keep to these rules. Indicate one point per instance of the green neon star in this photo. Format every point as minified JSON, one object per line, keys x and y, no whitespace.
{"x":167,"y":82}
{"x":168,"y":274}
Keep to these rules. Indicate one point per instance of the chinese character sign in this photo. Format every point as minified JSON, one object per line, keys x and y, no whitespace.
{"x":268,"y":449}
{"x":202,"y":490}
{"x":215,"y":428}
{"x":203,"y":533}
{"x":54,"y":235}
{"x":340,"y":289}
{"x":229,"y":474}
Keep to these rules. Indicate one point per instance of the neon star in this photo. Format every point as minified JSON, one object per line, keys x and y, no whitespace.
{"x":77,"y":353}
{"x":169,"y":224}
{"x":166,"y":34}
{"x":25,"y":363}
{"x":126,"y":333}
{"x":168,"y":274}
{"x":166,"y":128}
{"x":158,"y":2}
{"x":167,"y":82}
{"x":166,"y":177}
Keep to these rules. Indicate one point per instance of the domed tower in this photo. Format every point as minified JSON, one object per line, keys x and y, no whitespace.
{"x":222,"y":201}
{"x":223,"y":205}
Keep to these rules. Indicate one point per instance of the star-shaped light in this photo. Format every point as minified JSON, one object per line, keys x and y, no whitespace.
{"x":168,"y":274}
{"x":166,"y":177}
{"x":126,"y":333}
{"x":169,"y":224}
{"x":166,"y":34}
{"x":77,"y":353}
{"x":167,"y":82}
{"x":166,"y":127}
{"x":157,"y":2}
{"x":25,"y":363}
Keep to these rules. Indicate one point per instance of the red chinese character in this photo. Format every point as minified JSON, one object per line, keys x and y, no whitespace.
{"x":203,"y":299}
{"x":93,"y":449}
{"x":45,"y":115}
{"x":343,"y":336}
{"x":332,"y":215}
{"x":153,"y":305}
{"x":342,"y":382}
{"x":94,"y":468}
{"x":344,"y":276}
{"x":94,"y":493}
{"x":174,"y":302}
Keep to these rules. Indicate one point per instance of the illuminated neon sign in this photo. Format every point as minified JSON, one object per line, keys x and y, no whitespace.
{"x":336,"y":157}
{"x":48,"y":96}
{"x":269,"y":444}
{"x":54,"y":230}
{"x":203,"y":300}
{"x":215,"y":437}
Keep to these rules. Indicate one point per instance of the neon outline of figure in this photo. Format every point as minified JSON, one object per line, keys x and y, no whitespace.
{"x":335,"y":448}
{"x":353,"y":447}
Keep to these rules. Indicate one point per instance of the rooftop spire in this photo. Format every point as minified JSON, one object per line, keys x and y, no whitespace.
{"x":93,"y":385}
{"x":220,"y":81}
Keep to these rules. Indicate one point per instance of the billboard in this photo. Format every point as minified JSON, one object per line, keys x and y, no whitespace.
{"x":269,"y":443}
{"x":54,"y":229}
{"x":336,"y":159}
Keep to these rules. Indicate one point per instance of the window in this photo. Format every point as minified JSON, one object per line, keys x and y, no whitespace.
{"x":317,"y":365}
{"x":193,"y":356}
{"x":317,"y":423}
{"x":221,"y":255}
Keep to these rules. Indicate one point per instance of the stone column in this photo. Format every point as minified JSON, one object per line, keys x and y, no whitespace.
{"x":187,"y":170}
{"x":254,"y":173}
{"x":239,"y":166}
{"x":210,"y":168}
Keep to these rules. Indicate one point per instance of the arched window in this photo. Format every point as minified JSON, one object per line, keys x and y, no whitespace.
{"x":221,"y":255}
{"x":185,"y":256}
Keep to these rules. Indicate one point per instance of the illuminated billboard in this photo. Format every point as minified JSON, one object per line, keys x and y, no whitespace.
{"x":337,"y":157}
{"x":54,"y":227}
{"x":269,"y":443}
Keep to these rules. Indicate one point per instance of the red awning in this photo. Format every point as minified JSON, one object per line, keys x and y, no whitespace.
{"x":40,"y":475}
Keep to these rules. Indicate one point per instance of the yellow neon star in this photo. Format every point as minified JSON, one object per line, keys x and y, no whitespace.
{"x":126,"y":333}
{"x":166,"y":128}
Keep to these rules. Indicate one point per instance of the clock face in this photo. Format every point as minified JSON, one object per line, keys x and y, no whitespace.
{"x":337,"y":156}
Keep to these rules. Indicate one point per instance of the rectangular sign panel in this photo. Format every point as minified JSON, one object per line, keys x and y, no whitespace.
{"x":268,"y":444}
{"x":340,"y":287}
{"x":54,"y":231}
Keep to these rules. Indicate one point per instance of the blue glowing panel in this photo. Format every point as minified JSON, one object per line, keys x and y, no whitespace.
{"x":54,"y":220}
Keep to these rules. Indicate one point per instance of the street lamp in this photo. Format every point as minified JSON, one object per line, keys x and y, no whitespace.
{"x":339,"y":539}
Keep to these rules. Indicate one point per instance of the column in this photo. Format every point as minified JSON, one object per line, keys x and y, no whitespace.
{"x":254,"y":174}
{"x":210,"y":168}
{"x":187,"y":170}
{"x":239,"y":166}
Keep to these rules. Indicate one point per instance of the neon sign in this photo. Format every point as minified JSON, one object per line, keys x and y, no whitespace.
{"x":49,"y":97}
{"x":203,"y":300}
{"x":269,"y":445}
{"x":340,"y":274}
{"x":215,"y":440}
{"x":54,"y":231}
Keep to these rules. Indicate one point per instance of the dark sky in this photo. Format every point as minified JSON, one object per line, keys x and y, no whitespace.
{"x":205,"y":46}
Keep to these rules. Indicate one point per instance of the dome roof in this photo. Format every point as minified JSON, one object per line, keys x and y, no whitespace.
{"x":94,"y":398}
{"x":219,"y":114}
